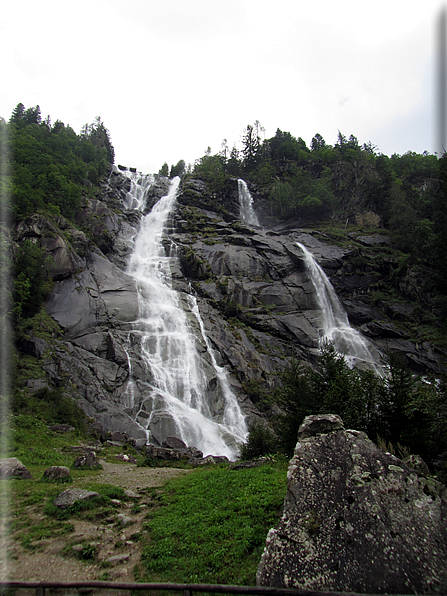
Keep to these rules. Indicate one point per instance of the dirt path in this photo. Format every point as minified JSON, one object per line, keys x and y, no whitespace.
{"x":110,"y":539}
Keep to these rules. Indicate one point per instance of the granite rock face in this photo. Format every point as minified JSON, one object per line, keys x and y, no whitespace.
{"x":254,"y":294}
{"x":356,"y":519}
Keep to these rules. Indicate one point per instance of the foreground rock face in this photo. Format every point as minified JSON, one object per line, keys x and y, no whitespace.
{"x":356,"y":519}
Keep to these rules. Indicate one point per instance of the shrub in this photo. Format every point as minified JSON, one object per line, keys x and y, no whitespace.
{"x":261,"y":441}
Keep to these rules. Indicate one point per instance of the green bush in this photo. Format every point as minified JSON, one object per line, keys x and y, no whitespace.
{"x":31,"y":276}
{"x":53,"y":406}
{"x":261,"y":441}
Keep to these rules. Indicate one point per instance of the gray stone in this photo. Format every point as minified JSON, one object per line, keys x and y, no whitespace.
{"x":72,"y":495}
{"x":77,"y":548}
{"x":356,"y":519}
{"x":56,"y":473}
{"x":131,"y":494}
{"x":125,"y":457}
{"x":124,"y":520}
{"x":317,"y":425}
{"x":117,"y":558}
{"x":12,"y":467}
{"x":173,"y":443}
{"x":88,"y":460}
{"x":374,"y":240}
{"x":162,"y":453}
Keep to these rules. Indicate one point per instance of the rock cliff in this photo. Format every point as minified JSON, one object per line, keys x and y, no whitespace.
{"x":251,"y":284}
{"x":356,"y":519}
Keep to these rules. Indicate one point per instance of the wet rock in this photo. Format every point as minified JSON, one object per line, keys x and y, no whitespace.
{"x":12,"y":467}
{"x":162,"y":453}
{"x":383,"y":329}
{"x":173,"y":443}
{"x":194,"y":453}
{"x":213,"y":459}
{"x":118,"y":437}
{"x":356,"y":519}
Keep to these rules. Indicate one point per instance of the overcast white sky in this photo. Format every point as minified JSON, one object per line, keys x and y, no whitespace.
{"x":171,"y":77}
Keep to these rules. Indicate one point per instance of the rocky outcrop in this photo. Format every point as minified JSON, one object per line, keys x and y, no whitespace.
{"x":253,"y":292}
{"x":356,"y":519}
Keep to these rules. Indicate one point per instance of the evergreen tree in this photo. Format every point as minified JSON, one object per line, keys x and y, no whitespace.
{"x":178,"y":169}
{"x":164,"y":170}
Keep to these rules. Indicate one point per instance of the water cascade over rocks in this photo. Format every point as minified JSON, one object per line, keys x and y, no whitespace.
{"x":335,"y":327}
{"x":177,"y":398}
{"x":247,"y":213}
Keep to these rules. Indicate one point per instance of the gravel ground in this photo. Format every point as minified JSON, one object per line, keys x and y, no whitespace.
{"x":47,"y":563}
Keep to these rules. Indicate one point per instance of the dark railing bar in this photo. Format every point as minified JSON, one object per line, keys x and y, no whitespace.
{"x":187,"y":589}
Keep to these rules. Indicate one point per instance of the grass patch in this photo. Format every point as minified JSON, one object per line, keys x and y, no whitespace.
{"x":28,"y":524}
{"x":35,"y":445}
{"x":212,"y":525}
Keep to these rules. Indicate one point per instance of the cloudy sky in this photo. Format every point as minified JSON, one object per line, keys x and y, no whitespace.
{"x":171,"y":77}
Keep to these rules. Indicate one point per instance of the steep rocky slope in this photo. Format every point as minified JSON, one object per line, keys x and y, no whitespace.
{"x":252,"y":288}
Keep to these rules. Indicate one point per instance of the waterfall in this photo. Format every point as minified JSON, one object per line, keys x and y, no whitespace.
{"x":176,"y":399}
{"x":335,"y":327}
{"x":247,"y":213}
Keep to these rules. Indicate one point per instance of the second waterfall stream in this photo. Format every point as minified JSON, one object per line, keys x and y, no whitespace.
{"x":187,"y":393}
{"x":334,"y":323}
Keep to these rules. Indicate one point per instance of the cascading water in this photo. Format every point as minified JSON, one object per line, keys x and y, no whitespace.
{"x":335,"y":327}
{"x":247,"y":213}
{"x":174,"y":400}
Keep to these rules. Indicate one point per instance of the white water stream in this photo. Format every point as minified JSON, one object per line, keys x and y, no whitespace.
{"x":335,"y":327}
{"x":177,"y":387}
{"x":247,"y":213}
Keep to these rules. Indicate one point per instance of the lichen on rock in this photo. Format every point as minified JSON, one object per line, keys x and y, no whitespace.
{"x":356,"y":519}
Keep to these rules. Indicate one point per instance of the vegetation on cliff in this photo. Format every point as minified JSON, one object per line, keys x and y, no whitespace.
{"x":51,"y":166}
{"x":405,"y":413}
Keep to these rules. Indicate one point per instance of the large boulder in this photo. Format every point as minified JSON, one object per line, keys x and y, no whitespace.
{"x":70,"y":496}
{"x":56,"y":473}
{"x":356,"y":519}
{"x":11,"y":467}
